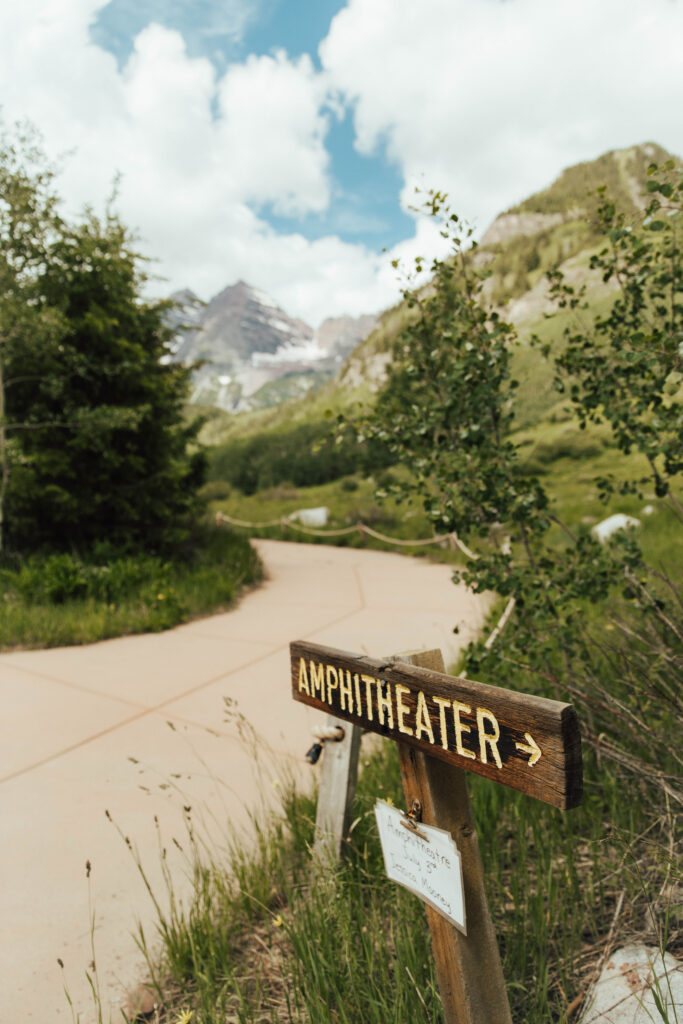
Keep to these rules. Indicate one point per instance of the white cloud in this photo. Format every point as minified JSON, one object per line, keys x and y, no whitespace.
{"x":167,"y":99}
{"x":197,"y":156}
{"x":486,"y":99}
{"x":490,"y":100}
{"x":272,"y":132}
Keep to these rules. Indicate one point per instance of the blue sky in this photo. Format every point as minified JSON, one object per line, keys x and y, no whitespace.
{"x":363,"y":205}
{"x":280,"y":141}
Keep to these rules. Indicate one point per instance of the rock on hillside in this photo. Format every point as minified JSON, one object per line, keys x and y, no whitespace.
{"x":338,"y":336}
{"x":506,"y":225}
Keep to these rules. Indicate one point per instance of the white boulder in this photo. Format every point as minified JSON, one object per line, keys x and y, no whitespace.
{"x":632,"y":981}
{"x":608,"y":526}
{"x":314,"y":517}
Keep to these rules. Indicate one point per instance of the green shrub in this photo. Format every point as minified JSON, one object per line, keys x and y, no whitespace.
{"x":302,"y":456}
{"x":571,"y":444}
{"x":124,"y":577}
{"x":55,"y":580}
{"x":66,"y":599}
{"x":373,"y":515}
{"x":386,"y":480}
{"x":215,"y":490}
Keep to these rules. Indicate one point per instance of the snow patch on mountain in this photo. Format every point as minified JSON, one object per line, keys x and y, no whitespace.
{"x":243,"y":343}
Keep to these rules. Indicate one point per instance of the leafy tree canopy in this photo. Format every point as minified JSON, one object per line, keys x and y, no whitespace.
{"x":625,"y":368}
{"x":446,"y":413}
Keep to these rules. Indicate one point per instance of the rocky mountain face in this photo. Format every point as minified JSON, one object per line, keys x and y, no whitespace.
{"x":338,"y":336}
{"x":252,"y":353}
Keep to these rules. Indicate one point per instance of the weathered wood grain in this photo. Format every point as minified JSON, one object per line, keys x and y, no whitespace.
{"x":468,"y":967}
{"x":529,"y":743}
{"x":337,"y":789}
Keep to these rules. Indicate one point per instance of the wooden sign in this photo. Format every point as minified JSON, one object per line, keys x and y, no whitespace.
{"x":529,"y":743}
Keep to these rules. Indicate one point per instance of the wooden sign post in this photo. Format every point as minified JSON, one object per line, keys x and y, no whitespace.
{"x":336,"y":792}
{"x":444,"y":727}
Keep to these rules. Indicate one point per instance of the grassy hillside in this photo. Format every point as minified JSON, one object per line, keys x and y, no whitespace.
{"x":623,"y":171}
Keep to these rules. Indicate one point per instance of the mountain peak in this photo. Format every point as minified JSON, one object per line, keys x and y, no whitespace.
{"x":246,"y":342}
{"x":623,"y":171}
{"x":241,"y":320}
{"x":573,"y":194}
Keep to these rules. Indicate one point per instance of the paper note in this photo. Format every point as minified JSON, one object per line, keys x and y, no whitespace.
{"x":427,"y":864}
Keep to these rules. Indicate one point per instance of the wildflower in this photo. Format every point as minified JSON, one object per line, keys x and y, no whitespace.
{"x":184,"y":1017}
{"x":278,"y":921}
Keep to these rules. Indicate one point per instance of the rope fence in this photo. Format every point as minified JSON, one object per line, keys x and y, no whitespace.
{"x":362,"y":528}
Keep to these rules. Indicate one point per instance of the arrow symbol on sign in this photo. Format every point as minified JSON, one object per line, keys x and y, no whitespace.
{"x":530,"y":747}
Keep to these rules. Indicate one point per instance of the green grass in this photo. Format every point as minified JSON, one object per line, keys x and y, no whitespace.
{"x":62,"y":599}
{"x":267,"y":939}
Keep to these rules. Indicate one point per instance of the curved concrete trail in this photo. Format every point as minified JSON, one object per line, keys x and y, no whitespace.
{"x":137,"y":726}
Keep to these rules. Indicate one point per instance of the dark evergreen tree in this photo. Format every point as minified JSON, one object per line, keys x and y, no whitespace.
{"x":95,"y":443}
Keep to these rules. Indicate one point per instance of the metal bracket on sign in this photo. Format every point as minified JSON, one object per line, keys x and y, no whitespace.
{"x":410,"y":819}
{"x":323,"y":734}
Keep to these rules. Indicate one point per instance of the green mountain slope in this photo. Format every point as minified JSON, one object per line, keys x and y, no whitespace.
{"x":623,"y":171}
{"x":554,"y":226}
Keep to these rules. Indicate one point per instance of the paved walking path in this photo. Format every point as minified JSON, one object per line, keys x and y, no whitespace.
{"x":137,"y":726}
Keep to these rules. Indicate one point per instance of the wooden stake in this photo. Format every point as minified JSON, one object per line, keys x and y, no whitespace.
{"x":468,"y":967}
{"x":338,"y":776}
